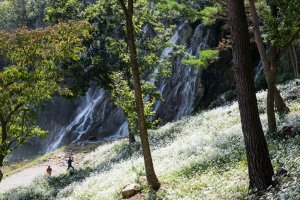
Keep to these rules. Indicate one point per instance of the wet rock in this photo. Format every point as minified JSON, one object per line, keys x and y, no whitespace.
{"x":129,"y":191}
{"x":92,"y":138}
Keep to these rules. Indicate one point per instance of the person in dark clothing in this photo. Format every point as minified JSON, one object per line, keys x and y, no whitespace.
{"x":69,"y":161}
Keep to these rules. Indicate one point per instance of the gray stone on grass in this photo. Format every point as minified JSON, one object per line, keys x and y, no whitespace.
{"x":129,"y":191}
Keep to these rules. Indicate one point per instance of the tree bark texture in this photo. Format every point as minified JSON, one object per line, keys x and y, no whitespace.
{"x":1,"y":164}
{"x":280,"y":105}
{"x":150,"y":173}
{"x":131,"y":138}
{"x":293,"y":57}
{"x":259,"y":164}
{"x":272,"y":127}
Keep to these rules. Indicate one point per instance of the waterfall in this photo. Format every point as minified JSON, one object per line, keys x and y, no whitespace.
{"x":90,"y":117}
{"x":95,"y":115}
{"x":258,"y":69}
{"x":166,"y":52}
{"x":83,"y":119}
{"x":179,"y":92}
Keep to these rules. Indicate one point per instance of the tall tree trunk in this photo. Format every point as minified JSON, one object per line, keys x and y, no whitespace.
{"x":131,"y":137}
{"x":150,"y":173}
{"x":259,"y":164}
{"x":271,"y":90}
{"x":270,"y":74}
{"x":272,"y":127}
{"x":1,"y":164}
{"x":295,"y":60}
{"x":280,"y":105}
{"x":293,"y":57}
{"x":2,"y":144}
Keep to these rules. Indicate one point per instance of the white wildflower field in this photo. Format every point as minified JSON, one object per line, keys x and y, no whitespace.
{"x":198,"y":157}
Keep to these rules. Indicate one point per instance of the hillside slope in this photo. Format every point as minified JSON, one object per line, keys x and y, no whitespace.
{"x":199,"y":157}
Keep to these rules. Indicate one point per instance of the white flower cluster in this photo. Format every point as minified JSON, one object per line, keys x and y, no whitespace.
{"x":199,"y":157}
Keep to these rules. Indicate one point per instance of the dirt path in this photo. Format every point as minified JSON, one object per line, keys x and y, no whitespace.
{"x":26,"y":176}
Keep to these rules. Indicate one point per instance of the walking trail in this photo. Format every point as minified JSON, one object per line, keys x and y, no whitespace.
{"x":26,"y":176}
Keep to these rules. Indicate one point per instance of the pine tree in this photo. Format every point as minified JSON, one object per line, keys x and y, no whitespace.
{"x":259,"y":164}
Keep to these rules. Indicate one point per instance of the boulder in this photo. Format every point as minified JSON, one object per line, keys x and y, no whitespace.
{"x":129,"y":191}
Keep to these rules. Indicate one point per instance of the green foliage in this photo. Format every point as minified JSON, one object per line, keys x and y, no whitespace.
{"x":260,"y":82}
{"x":18,"y":13}
{"x":33,"y":76}
{"x":107,"y":49}
{"x":206,"y":57}
{"x":63,"y":10}
{"x":210,"y":14}
{"x":186,"y":10}
{"x":124,"y":97}
{"x":284,"y":77}
{"x":230,"y":95}
{"x":283,"y":25}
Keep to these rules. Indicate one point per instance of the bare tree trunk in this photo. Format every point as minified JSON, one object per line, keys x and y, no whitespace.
{"x":271,"y":91}
{"x":131,"y":138}
{"x":280,"y":105}
{"x":291,"y":54}
{"x":272,"y":127}
{"x":150,"y":173}
{"x":1,"y":164}
{"x":295,"y":60}
{"x":270,"y":74}
{"x":293,"y":57}
{"x":259,"y":164}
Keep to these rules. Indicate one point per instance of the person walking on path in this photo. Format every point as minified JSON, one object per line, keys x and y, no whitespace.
{"x":49,"y":170}
{"x":69,"y":161}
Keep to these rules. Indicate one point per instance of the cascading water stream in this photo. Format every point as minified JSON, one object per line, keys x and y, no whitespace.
{"x":97,"y":117}
{"x":83,"y":119}
{"x":180,"y":88}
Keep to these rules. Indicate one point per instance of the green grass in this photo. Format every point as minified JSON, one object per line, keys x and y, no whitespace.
{"x":199,"y":157}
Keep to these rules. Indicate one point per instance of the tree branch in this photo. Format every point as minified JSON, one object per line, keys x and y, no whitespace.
{"x":123,"y":6}
{"x":14,"y":111}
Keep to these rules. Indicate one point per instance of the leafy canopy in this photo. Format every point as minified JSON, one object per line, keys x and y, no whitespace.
{"x":206,"y":57}
{"x":124,"y":97}
{"x":32,"y":75}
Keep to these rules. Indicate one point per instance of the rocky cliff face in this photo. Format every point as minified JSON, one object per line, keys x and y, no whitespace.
{"x":94,"y":116}
{"x":88,"y":118}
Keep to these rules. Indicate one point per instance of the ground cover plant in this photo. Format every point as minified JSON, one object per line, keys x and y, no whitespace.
{"x":198,"y":157}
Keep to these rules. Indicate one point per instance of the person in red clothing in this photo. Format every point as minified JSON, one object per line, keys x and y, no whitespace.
{"x":49,"y":170}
